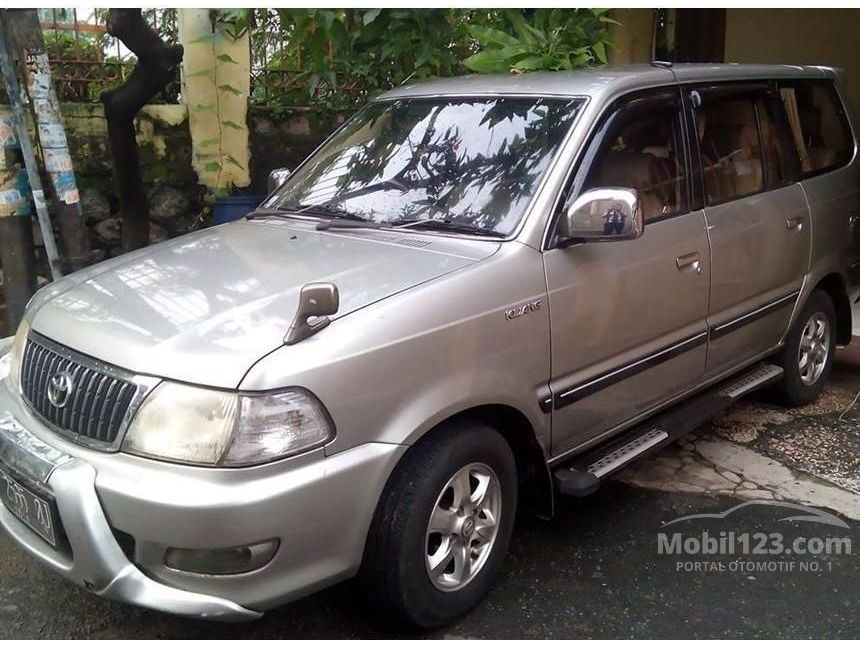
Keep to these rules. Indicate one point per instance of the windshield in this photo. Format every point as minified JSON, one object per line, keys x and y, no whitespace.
{"x":467,"y":162}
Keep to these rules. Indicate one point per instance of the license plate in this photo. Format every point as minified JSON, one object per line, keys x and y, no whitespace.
{"x":32,"y":509}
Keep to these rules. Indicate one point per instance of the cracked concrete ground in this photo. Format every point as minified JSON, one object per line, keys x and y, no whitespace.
{"x":758,"y":450}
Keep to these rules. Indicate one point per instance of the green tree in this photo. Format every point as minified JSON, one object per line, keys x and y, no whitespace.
{"x":542,"y":39}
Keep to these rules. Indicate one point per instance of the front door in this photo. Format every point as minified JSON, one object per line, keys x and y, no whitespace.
{"x":628,"y":317}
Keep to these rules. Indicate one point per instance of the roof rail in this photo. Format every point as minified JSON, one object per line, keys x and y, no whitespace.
{"x":666,"y":64}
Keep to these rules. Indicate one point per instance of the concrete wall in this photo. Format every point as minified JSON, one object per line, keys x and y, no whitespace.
{"x":632,"y":37}
{"x":800,"y":36}
{"x":808,"y":36}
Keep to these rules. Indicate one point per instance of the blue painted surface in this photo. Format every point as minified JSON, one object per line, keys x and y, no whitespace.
{"x":228,"y":209}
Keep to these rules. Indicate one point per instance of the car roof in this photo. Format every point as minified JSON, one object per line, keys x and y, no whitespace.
{"x":599,"y":80}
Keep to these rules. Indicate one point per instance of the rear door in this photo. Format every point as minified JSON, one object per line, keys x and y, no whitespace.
{"x":757,"y":219}
{"x":628,"y":317}
{"x":825,"y":146}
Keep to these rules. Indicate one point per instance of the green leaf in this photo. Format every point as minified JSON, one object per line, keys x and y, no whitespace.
{"x":212,"y":166}
{"x":580,"y":60}
{"x":487,"y":62}
{"x":226,"y":87}
{"x":489,"y":36}
{"x":524,"y":30}
{"x":201,"y":72}
{"x":425,"y":54}
{"x":599,"y":52}
{"x":531,"y":63}
{"x":232,"y":124}
{"x":233,"y":161}
{"x":205,"y":38}
{"x":208,"y":142}
{"x":226,"y":58}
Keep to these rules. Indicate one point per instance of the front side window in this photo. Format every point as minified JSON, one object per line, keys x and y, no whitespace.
{"x":818,"y":124}
{"x":643,"y":150}
{"x":470,"y":161}
{"x":730,"y":148}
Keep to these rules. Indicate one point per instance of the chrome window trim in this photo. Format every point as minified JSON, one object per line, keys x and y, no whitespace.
{"x":143,"y":386}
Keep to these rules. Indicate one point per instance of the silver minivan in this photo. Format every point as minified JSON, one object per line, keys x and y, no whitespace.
{"x":477,"y":294}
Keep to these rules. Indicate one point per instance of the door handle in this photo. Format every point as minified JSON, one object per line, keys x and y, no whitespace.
{"x":689,"y":262}
{"x":794,"y":223}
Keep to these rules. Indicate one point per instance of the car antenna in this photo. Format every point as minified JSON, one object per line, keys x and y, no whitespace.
{"x":665,"y":64}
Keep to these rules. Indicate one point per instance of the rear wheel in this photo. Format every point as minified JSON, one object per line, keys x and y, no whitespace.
{"x":808,"y":353}
{"x":443,"y":525}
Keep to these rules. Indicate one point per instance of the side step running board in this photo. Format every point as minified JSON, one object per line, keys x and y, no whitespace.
{"x":582,"y":476}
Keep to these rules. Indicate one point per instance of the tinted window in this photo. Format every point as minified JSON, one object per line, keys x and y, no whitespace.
{"x":643,"y":149}
{"x":818,"y":125}
{"x":468,"y":161}
{"x":730,"y":148}
{"x":780,"y":166}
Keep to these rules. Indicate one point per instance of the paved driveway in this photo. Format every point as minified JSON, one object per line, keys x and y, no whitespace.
{"x":592,"y":572}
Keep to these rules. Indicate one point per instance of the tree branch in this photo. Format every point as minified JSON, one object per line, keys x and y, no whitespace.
{"x":157,"y":63}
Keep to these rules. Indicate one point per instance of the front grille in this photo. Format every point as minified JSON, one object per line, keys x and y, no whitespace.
{"x":97,"y":403}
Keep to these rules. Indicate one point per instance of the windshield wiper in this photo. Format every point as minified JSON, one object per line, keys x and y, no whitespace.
{"x":346,"y":222}
{"x":336,"y":217}
{"x":333,"y":217}
{"x":444,"y":225}
{"x":270,"y":212}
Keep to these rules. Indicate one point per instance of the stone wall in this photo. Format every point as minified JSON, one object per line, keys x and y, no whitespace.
{"x":178,"y":203}
{"x":283,"y":142}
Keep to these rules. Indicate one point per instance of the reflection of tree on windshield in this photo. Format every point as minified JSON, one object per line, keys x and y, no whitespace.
{"x":472,"y":161}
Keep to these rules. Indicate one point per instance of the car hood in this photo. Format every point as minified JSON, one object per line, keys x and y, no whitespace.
{"x":205,"y":307}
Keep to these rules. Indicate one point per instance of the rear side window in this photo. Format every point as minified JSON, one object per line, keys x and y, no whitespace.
{"x":730,"y":148}
{"x":819,"y":127}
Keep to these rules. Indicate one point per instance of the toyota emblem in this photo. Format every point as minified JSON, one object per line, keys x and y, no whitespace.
{"x":60,"y":389}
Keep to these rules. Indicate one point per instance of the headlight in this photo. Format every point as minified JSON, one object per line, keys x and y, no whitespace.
{"x":16,"y":355}
{"x":210,"y":427}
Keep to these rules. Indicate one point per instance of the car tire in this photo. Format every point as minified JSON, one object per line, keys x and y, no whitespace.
{"x":808,"y":353}
{"x":460,"y":477}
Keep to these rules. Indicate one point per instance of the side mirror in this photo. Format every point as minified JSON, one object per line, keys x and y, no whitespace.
{"x":316,"y":300}
{"x":277,"y":178}
{"x":604,"y":215}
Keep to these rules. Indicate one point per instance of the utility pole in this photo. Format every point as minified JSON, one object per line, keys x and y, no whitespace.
{"x":23,"y":26}
{"x":16,"y":229}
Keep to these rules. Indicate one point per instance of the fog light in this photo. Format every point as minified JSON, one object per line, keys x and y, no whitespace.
{"x":222,"y":562}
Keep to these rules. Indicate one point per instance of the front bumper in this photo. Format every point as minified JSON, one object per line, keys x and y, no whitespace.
{"x":319,"y":508}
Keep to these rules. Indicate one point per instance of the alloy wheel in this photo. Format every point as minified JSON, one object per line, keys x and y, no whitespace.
{"x":814,"y":348}
{"x":463,"y":527}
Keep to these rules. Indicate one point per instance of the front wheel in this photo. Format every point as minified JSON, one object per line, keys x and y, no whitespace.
{"x":808,"y":353}
{"x":443,"y":525}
